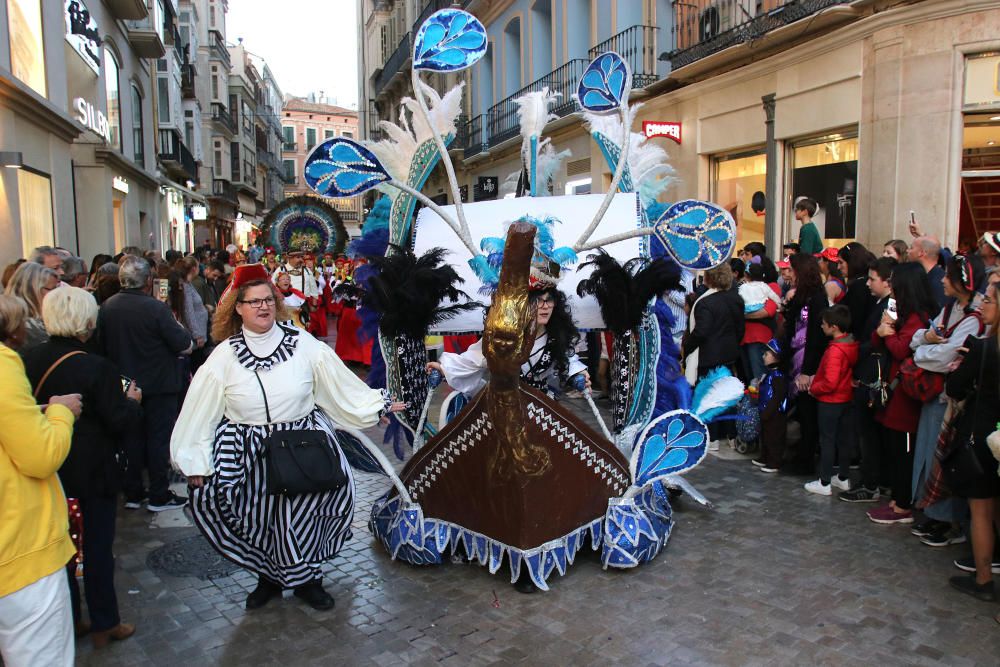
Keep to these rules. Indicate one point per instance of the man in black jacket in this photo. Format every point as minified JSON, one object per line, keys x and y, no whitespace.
{"x":142,"y":337}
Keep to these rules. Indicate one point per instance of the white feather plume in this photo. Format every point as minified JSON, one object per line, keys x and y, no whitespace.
{"x":533,"y":111}
{"x":548,"y":163}
{"x":647,"y":162}
{"x":396,"y":153}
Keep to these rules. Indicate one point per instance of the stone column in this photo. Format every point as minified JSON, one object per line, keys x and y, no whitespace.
{"x":772,"y":230}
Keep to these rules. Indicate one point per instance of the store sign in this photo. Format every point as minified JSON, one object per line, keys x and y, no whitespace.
{"x":120,"y":184}
{"x":92,"y":118}
{"x":655,"y":128}
{"x":82,"y":33}
{"x":199,"y":212}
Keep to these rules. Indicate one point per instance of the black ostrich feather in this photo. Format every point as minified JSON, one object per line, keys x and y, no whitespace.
{"x":411,"y":294}
{"x":624,"y":291}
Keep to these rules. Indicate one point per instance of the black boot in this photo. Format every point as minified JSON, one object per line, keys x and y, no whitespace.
{"x":314,"y":595}
{"x":266,"y":589}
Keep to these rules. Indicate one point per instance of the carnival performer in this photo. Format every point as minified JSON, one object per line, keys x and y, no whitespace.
{"x":295,"y":301}
{"x":317,"y":304}
{"x":349,"y":345}
{"x":267,"y":376}
{"x":552,"y":362}
{"x":302,"y":279}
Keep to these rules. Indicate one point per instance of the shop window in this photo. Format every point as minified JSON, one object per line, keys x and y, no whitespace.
{"x":137,"y":129}
{"x":737,"y":180}
{"x":34,"y":193}
{"x":826,"y":170}
{"x":113,"y":98}
{"x":27,"y":53}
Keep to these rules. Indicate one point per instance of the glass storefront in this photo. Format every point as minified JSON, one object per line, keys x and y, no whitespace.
{"x":826,"y":170}
{"x":34,"y":193}
{"x":738,"y":187}
{"x":27,"y":54}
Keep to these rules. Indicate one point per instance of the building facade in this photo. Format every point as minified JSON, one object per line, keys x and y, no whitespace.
{"x":270,"y":174}
{"x":304,"y":125}
{"x":77,"y":131}
{"x":872,"y":107}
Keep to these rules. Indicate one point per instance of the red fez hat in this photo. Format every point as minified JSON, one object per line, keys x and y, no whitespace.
{"x":244,"y":274}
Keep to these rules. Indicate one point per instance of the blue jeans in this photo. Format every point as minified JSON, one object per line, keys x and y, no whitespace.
{"x":753,"y":359}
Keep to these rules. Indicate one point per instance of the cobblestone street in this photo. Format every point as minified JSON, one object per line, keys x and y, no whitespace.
{"x":770,"y":576}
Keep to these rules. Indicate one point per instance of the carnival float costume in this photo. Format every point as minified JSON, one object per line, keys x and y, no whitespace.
{"x":513,"y":477}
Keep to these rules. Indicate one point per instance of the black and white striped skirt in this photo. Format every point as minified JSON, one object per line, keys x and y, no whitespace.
{"x":285,"y":538}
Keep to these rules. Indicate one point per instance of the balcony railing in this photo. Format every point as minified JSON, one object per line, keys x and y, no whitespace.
{"x":475,"y":140}
{"x":188,"y":76}
{"x":503,"y":116}
{"x":221,"y":115}
{"x":224,"y":189}
{"x":704,"y":27}
{"x":430,"y":6}
{"x":176,"y":156}
{"x":394,"y":64}
{"x":218,"y":46}
{"x":289,"y":146}
{"x":637,"y":45}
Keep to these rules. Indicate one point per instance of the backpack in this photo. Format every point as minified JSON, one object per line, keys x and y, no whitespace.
{"x":747,"y":419}
{"x":924,"y":385}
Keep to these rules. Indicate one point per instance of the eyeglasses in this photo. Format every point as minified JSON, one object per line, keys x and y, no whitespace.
{"x":545,"y":301}
{"x":259,"y":303}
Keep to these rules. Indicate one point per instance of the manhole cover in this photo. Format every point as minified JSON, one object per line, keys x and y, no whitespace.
{"x":190,"y":557}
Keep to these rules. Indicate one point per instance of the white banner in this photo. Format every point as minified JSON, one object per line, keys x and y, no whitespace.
{"x":490,"y":218}
{"x":82,"y":33}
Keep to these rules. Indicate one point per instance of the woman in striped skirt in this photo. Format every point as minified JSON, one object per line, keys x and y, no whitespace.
{"x":267,"y":376}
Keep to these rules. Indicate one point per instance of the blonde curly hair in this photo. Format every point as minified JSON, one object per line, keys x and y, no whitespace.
{"x":227,"y":321}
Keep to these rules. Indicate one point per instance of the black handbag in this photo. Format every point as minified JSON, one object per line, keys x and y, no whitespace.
{"x":962,"y":466}
{"x":299,"y":460}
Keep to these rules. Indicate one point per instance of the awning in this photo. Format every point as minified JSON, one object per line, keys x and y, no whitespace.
{"x":195,"y":196}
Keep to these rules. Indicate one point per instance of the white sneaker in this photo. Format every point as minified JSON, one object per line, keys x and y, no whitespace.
{"x":713,"y":446}
{"x":819,"y":488}
{"x":842,"y":484}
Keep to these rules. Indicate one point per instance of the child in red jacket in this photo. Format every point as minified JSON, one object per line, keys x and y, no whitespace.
{"x":834,"y":392}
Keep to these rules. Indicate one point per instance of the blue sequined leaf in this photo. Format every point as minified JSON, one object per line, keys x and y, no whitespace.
{"x":605,"y":83}
{"x":342,"y":168}
{"x":448,"y":41}
{"x":671,"y":444}
{"x":698,"y":235}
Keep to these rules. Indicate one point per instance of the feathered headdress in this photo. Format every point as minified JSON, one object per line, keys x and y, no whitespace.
{"x":623,"y":291}
{"x":546,"y":263}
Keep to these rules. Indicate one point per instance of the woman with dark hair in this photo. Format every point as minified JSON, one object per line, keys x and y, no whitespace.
{"x":739,"y":269}
{"x":805,"y":343}
{"x":977,"y":381}
{"x":552,"y":361}
{"x":853,"y":261}
{"x":936,"y":349}
{"x":914,"y":302}
{"x":100,"y":259}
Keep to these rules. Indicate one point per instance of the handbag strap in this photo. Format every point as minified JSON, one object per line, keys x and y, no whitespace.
{"x":267,"y":408}
{"x":38,"y":389}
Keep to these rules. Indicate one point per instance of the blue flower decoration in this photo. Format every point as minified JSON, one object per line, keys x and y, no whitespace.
{"x":605,"y":83}
{"x":672,"y":443}
{"x":342,"y":168}
{"x":448,"y":41}
{"x":697,"y":234}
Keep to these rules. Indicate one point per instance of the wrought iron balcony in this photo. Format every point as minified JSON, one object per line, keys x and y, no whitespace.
{"x":188,"y":76}
{"x":637,"y":45}
{"x":223,"y":189}
{"x":218,"y":48}
{"x":503,"y":122}
{"x":176,"y":157}
{"x":394,"y":65}
{"x":475,"y":140}
{"x":289,"y":146}
{"x":221,"y":115}
{"x":704,"y":27}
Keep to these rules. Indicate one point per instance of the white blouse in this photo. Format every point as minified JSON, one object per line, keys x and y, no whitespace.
{"x":467,"y":372}
{"x":311,"y":376}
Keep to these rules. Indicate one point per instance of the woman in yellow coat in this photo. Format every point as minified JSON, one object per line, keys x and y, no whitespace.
{"x":36,"y":623}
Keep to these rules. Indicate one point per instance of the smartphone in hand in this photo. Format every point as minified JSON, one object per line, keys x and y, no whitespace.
{"x":890,"y":309}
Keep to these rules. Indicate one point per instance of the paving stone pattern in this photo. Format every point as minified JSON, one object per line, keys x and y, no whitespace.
{"x":770,"y":576}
